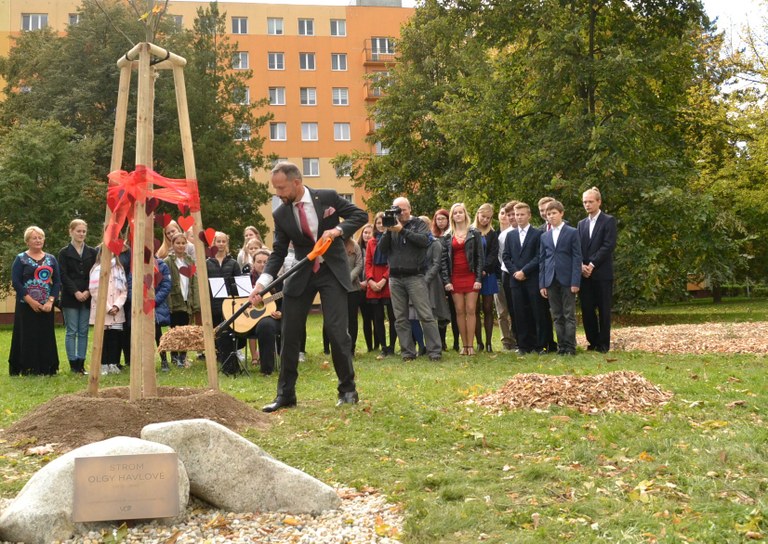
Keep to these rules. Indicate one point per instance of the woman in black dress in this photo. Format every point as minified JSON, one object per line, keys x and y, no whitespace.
{"x":37,"y":282}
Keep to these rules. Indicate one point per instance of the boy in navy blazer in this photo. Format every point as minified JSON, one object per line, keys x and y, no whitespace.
{"x":560,"y":275}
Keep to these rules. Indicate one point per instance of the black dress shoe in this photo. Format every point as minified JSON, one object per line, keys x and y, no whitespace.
{"x":279,"y":402}
{"x":347,"y":398}
{"x":488,"y":348}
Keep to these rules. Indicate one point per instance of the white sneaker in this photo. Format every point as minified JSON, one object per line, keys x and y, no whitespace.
{"x":104,"y":370}
{"x":114,"y":369}
{"x":302,"y":357}
{"x":241,"y":355}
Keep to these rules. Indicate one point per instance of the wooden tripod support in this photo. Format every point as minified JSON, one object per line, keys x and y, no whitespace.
{"x":143,"y":377}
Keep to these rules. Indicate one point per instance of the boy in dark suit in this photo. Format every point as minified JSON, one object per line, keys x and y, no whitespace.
{"x":560,"y":275}
{"x":521,"y":257}
{"x":598,"y":240}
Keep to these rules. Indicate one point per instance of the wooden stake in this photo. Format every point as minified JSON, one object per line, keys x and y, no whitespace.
{"x":200,"y":248}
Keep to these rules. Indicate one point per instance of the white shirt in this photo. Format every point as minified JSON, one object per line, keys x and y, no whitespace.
{"x":502,"y":238}
{"x":523,"y":232}
{"x":592,"y":221}
{"x":556,"y":233}
{"x":183,"y":280}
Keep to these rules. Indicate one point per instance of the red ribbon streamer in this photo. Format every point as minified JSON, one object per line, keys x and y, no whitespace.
{"x":126,"y":189}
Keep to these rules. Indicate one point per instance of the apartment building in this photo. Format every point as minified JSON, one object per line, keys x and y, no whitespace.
{"x":312,"y":62}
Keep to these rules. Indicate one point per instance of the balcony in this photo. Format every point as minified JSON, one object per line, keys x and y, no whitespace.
{"x":378,"y":52}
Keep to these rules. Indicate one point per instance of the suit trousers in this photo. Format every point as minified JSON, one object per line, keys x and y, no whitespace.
{"x":413,"y":290}
{"x":562,"y":304}
{"x":529,"y":311}
{"x":333,"y":298}
{"x":597,"y":298}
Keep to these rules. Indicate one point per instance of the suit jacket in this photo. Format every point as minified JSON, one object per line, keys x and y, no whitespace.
{"x":598,"y":250}
{"x":525,"y":258}
{"x":562,"y":262}
{"x":330,"y":209}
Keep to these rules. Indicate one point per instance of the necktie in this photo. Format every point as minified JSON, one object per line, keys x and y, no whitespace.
{"x":522,"y":236}
{"x":304,"y":223}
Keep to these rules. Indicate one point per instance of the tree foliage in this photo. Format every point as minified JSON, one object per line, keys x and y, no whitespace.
{"x":72,"y":79}
{"x":493,"y":100}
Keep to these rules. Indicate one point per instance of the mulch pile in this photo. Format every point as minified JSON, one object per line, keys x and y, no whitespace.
{"x":620,"y":391}
{"x":751,"y":337}
{"x":184,"y":338}
{"x":71,"y":421}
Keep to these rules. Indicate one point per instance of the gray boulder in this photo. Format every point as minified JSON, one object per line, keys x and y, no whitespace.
{"x":42,"y":511}
{"x":233,"y":474}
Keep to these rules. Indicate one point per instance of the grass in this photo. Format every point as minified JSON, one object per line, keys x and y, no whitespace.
{"x":694,"y":471}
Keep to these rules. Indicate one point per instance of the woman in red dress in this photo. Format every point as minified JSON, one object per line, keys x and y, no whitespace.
{"x":377,"y":294}
{"x":462,"y":267}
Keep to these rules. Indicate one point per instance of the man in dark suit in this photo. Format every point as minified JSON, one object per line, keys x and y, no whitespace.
{"x":546,"y":227}
{"x":598,"y":240}
{"x":521,"y":257}
{"x":560,"y":275}
{"x":304,"y":216}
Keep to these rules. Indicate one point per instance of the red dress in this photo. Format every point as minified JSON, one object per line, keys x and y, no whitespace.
{"x":462,"y":278}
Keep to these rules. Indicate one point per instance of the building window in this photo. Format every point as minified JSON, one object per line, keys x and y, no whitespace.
{"x":343,"y":170}
{"x":382,"y":48}
{"x":379,"y":149}
{"x":243,"y":132}
{"x":278,"y":132}
{"x":276,"y":61}
{"x":306,"y":61}
{"x":310,"y":167}
{"x":74,"y":18}
{"x":242,"y":95}
{"x":347,"y":196}
{"x":308,"y":96}
{"x":178,"y":21}
{"x":240,"y":60}
{"x":338,"y":27}
{"x":33,"y":21}
{"x":306,"y":27}
{"x":239,"y":25}
{"x":275,"y":26}
{"x":277,"y":96}
{"x":278,"y":160}
{"x":341,"y":132}
{"x":339,"y":62}
{"x":309,"y":132}
{"x":378,"y":83}
{"x":340,"y":96}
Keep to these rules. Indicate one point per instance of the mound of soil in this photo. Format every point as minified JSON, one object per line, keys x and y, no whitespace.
{"x":620,"y":391}
{"x":71,"y":421}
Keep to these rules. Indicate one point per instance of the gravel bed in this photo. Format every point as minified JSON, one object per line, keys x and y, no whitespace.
{"x":364,"y":517}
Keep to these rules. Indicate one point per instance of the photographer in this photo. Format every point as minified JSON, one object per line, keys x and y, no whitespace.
{"x":405,"y":243}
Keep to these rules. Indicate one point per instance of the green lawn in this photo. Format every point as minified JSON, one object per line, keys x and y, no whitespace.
{"x":694,"y":471}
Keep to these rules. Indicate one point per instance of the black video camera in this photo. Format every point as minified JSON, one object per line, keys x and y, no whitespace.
{"x":390,"y":216}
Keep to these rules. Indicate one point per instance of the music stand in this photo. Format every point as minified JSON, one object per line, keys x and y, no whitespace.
{"x":228,"y":289}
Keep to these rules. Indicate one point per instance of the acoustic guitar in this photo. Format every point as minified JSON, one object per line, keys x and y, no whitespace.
{"x":250,"y":317}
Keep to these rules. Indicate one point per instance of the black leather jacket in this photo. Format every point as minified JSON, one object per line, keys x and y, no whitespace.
{"x":473,"y":248}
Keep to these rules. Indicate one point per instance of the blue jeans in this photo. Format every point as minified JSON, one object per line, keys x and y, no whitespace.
{"x":76,"y":339}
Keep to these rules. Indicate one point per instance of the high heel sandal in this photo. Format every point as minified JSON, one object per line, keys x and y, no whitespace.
{"x":464,"y":351}
{"x":470,"y":351}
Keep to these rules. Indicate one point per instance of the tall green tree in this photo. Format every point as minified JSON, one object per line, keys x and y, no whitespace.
{"x":524,"y":99}
{"x":46,"y":174}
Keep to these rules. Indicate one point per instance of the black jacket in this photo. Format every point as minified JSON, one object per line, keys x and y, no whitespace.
{"x":492,"y":263}
{"x":406,"y":250}
{"x":75,"y":270}
{"x":473,"y":248}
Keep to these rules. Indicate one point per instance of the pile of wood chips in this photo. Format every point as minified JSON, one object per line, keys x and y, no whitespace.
{"x":749,"y":337}
{"x":184,"y":338}
{"x":620,"y":391}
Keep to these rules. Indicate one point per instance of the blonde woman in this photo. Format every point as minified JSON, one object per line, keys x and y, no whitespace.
{"x":223,"y":265}
{"x":75,"y":262}
{"x":491,"y":269}
{"x":251,"y":237}
{"x":461,"y":271}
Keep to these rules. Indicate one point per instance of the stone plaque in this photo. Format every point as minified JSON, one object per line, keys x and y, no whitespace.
{"x":119,"y":487}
